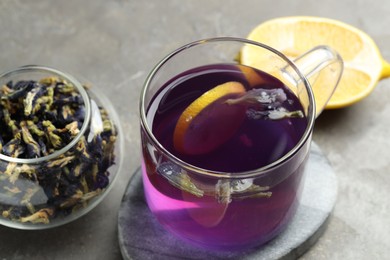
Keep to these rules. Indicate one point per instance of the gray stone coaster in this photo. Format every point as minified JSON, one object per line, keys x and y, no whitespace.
{"x":142,"y":237}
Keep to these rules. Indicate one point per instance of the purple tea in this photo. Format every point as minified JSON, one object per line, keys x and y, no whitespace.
{"x":237,"y":132}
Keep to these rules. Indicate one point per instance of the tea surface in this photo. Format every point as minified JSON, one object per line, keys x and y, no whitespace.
{"x":257,"y":141}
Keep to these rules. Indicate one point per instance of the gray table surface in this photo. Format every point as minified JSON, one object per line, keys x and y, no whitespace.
{"x":116,"y":43}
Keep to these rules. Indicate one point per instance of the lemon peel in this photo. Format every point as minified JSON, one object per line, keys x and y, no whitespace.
{"x":193,"y":135}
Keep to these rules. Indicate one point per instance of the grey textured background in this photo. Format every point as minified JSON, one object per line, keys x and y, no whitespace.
{"x":115,"y":44}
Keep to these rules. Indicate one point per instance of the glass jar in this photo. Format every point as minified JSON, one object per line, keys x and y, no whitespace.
{"x":60,"y":148}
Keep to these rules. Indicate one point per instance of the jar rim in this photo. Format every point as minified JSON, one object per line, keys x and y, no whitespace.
{"x":87,"y":107}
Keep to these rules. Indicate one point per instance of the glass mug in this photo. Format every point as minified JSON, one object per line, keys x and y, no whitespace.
{"x":224,"y":144}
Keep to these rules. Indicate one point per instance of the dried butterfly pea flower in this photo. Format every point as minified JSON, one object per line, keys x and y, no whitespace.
{"x":14,"y":147}
{"x":265,"y":104}
{"x":20,"y":89}
{"x":50,"y":131}
{"x":29,"y":101}
{"x":41,"y":216}
{"x":32,"y":147}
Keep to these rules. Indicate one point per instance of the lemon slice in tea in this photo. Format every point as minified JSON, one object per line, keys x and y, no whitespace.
{"x":208,"y":122}
{"x":293,"y":36}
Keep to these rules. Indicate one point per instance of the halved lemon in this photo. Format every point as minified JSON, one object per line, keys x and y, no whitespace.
{"x":293,"y":36}
{"x":208,"y":122}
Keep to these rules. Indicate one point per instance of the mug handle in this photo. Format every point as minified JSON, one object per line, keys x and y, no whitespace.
{"x":322,"y":66}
